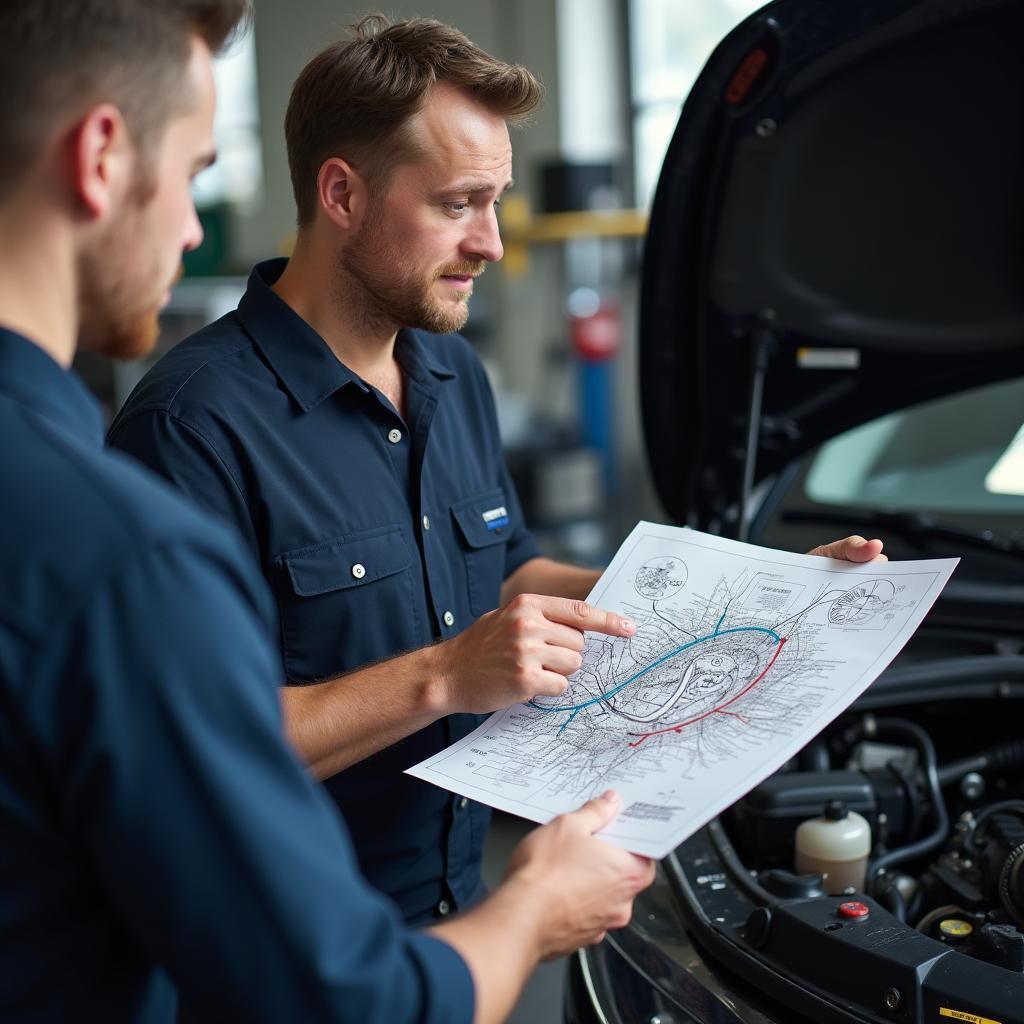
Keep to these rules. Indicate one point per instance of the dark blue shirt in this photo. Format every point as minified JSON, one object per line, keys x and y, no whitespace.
{"x":377,"y":534}
{"x":156,"y":831}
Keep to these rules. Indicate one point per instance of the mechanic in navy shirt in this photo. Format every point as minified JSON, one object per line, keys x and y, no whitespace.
{"x":354,"y":444}
{"x":351,"y":438}
{"x":158,"y":832}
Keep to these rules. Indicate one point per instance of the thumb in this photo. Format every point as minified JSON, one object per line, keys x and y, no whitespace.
{"x":596,"y":813}
{"x":851,"y":549}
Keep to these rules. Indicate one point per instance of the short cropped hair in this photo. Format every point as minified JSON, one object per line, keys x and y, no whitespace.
{"x":63,"y":57}
{"x":355,"y":98}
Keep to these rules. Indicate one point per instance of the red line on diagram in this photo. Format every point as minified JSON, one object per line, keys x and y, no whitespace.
{"x":720,"y":710}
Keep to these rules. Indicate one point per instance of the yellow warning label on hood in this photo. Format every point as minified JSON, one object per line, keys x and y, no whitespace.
{"x":973,"y":1018}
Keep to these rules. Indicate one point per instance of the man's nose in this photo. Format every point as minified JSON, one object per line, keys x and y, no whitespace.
{"x":485,"y":240}
{"x":193,"y":234}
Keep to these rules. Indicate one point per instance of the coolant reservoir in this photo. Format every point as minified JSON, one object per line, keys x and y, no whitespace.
{"x":835,"y":846}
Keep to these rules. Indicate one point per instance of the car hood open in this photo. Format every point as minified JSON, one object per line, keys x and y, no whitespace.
{"x":820,"y":252}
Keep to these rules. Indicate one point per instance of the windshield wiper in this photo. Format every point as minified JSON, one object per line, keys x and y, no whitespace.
{"x":915,"y":525}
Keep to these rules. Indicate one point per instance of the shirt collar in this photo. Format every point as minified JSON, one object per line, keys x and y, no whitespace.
{"x":417,"y":359}
{"x":301,"y":358}
{"x":31,"y":377}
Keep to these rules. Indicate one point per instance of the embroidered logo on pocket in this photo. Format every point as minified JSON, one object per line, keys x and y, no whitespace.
{"x":495,"y":518}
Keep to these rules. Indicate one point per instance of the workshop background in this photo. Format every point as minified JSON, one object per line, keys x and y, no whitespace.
{"x":556,"y":321}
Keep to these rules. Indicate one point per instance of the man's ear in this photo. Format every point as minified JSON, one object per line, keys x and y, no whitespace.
{"x":99,"y":159}
{"x":341,"y":193}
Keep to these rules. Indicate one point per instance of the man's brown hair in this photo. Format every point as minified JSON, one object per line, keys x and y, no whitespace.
{"x":355,"y":98}
{"x":63,"y":57}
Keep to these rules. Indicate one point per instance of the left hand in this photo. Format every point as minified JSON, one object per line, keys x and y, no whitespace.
{"x":852,"y":549}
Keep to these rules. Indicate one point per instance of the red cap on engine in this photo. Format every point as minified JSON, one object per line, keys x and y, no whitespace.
{"x":853,"y":909}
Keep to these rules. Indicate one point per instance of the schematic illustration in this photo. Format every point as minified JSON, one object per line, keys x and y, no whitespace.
{"x":741,"y":655}
{"x":863,"y":605}
{"x":659,"y":578}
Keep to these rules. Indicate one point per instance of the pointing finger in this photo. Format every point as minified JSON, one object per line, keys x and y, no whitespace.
{"x":585,"y":616}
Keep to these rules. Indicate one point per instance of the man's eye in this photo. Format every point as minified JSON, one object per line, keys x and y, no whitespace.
{"x":457,"y":207}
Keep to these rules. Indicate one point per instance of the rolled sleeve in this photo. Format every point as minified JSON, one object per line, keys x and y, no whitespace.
{"x":449,"y":978}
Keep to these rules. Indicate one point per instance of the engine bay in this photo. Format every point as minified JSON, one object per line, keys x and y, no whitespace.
{"x":933,"y":926}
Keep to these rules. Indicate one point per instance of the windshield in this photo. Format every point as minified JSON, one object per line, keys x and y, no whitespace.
{"x":940,"y":479}
{"x":960,"y":455}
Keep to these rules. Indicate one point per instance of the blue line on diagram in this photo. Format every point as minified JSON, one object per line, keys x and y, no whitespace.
{"x":575,"y":709}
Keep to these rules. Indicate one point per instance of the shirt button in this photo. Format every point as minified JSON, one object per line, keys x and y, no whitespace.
{"x":444,"y":908}
{"x":394,"y":435}
{"x":449,"y":619}
{"x":358,"y":570}
{"x":463,"y":804}
{"x":426,"y":522}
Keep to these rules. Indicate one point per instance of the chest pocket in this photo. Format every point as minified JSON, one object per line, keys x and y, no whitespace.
{"x":335,"y":596}
{"x":485,"y":525}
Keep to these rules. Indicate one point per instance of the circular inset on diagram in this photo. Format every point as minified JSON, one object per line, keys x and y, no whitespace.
{"x":659,"y":578}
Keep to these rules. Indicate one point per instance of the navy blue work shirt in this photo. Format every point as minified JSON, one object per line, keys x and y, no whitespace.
{"x":156,"y":829}
{"x":377,"y":534}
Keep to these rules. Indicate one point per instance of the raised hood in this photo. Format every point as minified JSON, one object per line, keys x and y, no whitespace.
{"x":838,"y":232}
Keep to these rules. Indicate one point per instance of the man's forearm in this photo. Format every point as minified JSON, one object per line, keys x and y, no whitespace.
{"x":335,"y":724}
{"x":509,"y":655}
{"x":554,"y":579}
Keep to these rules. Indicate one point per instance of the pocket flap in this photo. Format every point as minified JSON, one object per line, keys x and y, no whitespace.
{"x":483,"y":520}
{"x":351,"y":561}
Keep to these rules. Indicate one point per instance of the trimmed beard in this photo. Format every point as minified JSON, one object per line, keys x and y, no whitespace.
{"x":118,"y":317}
{"x":387,"y":300}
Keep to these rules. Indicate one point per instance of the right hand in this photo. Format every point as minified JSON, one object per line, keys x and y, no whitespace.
{"x":586,"y":886}
{"x":524,"y":649}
